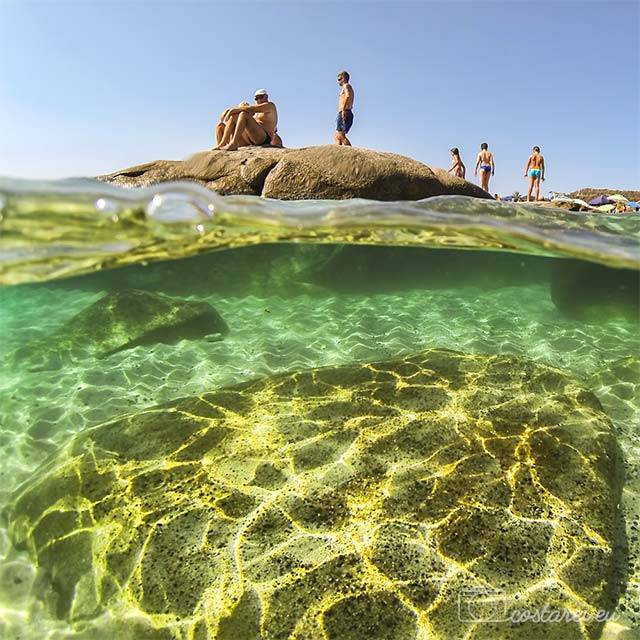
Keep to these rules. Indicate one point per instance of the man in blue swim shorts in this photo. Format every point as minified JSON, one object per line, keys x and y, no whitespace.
{"x":345,"y":109}
{"x":535,"y":171}
{"x":486,"y":164}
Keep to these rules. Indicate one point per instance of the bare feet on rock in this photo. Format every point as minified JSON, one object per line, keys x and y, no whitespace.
{"x":226,"y":147}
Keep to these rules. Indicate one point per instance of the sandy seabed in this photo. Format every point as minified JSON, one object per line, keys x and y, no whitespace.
{"x":272,"y":334}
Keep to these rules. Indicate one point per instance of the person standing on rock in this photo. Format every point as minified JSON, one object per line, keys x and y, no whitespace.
{"x":486,"y":164}
{"x":457,"y":166}
{"x":251,"y":125}
{"x":345,"y":109}
{"x":535,"y":171}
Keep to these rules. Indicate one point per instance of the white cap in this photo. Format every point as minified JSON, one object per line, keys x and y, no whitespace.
{"x":261,"y":92}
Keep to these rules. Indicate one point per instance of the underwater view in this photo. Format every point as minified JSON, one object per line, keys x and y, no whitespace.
{"x":242,"y":418}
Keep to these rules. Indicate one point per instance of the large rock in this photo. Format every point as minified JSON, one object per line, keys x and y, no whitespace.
{"x":442,"y":496}
{"x":241,"y":172}
{"x":327,"y":172}
{"x":122,"y":320}
{"x":334,"y":172}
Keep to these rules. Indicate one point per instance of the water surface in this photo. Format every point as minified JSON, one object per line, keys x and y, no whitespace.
{"x":301,"y":285}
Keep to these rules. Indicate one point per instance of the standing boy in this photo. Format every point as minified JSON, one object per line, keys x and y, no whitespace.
{"x":345,"y":106}
{"x":486,"y":164}
{"x":535,"y":171}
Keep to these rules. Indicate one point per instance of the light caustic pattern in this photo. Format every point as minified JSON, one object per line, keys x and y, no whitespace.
{"x":338,"y":503}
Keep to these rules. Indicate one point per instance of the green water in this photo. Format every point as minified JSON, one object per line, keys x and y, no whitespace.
{"x":293,"y":307}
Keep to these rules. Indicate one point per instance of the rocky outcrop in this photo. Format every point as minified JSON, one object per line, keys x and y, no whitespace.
{"x":327,"y":172}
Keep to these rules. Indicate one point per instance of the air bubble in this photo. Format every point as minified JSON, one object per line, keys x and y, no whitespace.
{"x":108,"y":208}
{"x":177,"y":207}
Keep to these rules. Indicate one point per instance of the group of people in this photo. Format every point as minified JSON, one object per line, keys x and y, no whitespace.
{"x":257,"y":125}
{"x":485,"y":163}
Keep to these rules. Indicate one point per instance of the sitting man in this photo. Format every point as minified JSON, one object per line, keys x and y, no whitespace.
{"x":243,"y":126}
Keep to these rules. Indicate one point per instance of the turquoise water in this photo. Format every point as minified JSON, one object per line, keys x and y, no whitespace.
{"x":475,"y":277}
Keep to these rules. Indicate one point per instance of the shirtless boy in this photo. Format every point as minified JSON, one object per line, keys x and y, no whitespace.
{"x":457,"y":166}
{"x":345,"y":106}
{"x":486,"y":164}
{"x":535,"y":171}
{"x":248,"y":125}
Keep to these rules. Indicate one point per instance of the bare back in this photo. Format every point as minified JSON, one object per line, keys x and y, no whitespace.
{"x":536,"y":161}
{"x":485,"y":157}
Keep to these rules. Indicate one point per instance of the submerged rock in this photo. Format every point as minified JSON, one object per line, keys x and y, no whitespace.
{"x":121,"y":320}
{"x":594,"y":292}
{"x":326,"y":172}
{"x":435,"y":496}
{"x":377,"y":268}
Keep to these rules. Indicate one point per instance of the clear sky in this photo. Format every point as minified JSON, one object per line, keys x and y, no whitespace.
{"x":92,"y":86}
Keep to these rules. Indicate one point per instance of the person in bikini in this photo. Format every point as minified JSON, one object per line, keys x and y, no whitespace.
{"x":248,"y":125}
{"x":535,"y":172}
{"x":457,"y":166}
{"x":486,"y":164}
{"x":344,"y":121}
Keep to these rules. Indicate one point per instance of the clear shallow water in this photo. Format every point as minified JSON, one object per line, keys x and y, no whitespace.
{"x":58,"y":229}
{"x":293,"y":307}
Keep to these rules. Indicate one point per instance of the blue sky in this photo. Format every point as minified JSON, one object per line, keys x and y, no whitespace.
{"x":89,"y":87}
